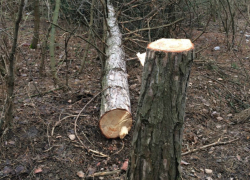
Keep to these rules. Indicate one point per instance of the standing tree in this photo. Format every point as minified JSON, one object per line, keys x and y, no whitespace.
{"x":36,"y":25}
{"x":8,"y":115}
{"x":157,"y":140}
{"x":52,"y":41}
{"x":90,"y":35}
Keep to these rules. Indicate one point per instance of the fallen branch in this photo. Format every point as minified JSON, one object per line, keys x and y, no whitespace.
{"x":44,"y":93}
{"x":120,"y":149}
{"x":209,"y":145}
{"x":105,"y":173}
{"x":89,"y":150}
{"x":60,"y":120}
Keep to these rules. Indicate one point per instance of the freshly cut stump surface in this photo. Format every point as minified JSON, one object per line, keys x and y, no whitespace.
{"x":171,"y":45}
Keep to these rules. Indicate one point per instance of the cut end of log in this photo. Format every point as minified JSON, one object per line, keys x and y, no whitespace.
{"x":116,"y":123}
{"x":171,"y":45}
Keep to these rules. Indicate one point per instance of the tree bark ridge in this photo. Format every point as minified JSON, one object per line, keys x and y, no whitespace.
{"x":157,"y":140}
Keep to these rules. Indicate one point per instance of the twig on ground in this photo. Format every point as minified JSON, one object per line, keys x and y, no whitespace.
{"x":120,"y":149}
{"x":60,"y":120}
{"x":209,"y":145}
{"x":75,"y":124}
{"x":105,"y":173}
{"x":96,"y":153}
{"x":43,"y":93}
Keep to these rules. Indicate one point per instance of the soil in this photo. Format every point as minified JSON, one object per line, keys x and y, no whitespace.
{"x":49,"y":141}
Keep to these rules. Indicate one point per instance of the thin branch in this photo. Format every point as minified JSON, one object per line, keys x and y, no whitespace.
{"x":146,"y":29}
{"x":105,"y":173}
{"x":217,"y":143}
{"x":204,"y":30}
{"x":79,"y":37}
{"x":75,"y":124}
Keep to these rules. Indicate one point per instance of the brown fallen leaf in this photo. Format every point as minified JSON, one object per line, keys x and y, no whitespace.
{"x":80,"y":174}
{"x":98,"y":164}
{"x":125,"y":165}
{"x":38,"y":170}
{"x":238,"y":157}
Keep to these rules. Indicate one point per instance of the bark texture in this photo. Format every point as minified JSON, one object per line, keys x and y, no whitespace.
{"x":52,"y":41}
{"x":157,"y":140}
{"x":115,"y":106}
{"x":35,"y":39}
{"x":8,"y":115}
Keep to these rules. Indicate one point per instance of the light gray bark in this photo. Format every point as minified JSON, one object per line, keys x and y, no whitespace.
{"x":116,"y":96}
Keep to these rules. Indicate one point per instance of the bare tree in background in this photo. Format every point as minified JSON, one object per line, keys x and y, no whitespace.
{"x":52,"y":42}
{"x":8,"y":117}
{"x":35,"y":39}
{"x":90,"y":34}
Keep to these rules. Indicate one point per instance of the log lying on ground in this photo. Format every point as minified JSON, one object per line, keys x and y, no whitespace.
{"x":157,"y":139}
{"x":116,"y":118}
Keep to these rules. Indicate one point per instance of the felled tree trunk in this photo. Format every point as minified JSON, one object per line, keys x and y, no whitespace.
{"x":157,"y":140}
{"x":116,"y":119}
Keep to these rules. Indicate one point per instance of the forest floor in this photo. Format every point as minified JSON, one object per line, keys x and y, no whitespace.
{"x":42,"y":143}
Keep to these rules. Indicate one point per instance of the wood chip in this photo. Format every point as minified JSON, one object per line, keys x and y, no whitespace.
{"x":72,"y":137}
{"x":80,"y":174}
{"x":219,"y":118}
{"x":208,"y":171}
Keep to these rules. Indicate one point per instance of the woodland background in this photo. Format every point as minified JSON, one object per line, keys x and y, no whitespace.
{"x":57,"y":77}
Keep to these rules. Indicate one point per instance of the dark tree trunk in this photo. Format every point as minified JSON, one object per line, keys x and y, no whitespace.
{"x":36,"y":25}
{"x":157,"y":140}
{"x":8,"y":116}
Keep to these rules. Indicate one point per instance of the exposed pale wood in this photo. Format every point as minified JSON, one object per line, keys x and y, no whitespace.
{"x":171,"y":45}
{"x":116,"y":119}
{"x":157,"y":139}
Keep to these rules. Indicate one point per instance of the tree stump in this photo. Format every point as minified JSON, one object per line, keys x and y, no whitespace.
{"x":116,"y":118}
{"x":157,"y":139}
